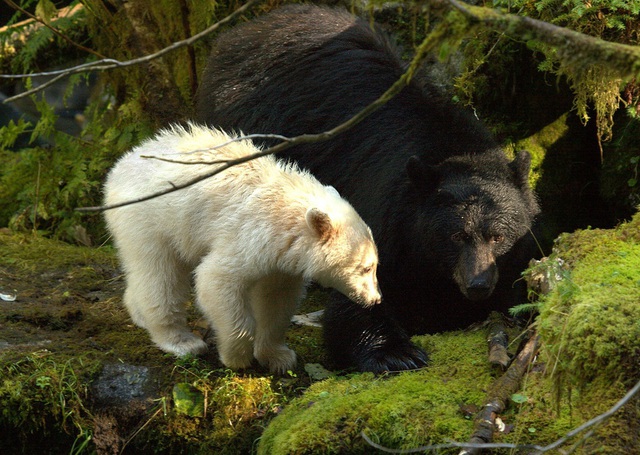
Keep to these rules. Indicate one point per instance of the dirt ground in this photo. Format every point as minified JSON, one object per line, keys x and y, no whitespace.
{"x":75,"y":372}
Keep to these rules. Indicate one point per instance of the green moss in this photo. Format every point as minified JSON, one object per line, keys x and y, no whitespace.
{"x":69,"y":302}
{"x":543,"y":419}
{"x":28,"y":253}
{"x":400,"y":411}
{"x":539,"y":143}
{"x":590,"y":329}
{"x":232,"y":409}
{"x":591,"y":322}
{"x":44,"y":394}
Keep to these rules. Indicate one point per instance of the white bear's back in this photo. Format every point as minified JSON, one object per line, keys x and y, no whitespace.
{"x":217,"y":211}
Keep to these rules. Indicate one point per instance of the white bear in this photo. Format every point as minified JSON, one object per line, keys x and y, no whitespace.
{"x":253,"y":237}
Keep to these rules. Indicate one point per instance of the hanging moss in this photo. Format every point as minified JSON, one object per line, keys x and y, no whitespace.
{"x":596,"y":72}
{"x":538,"y":144}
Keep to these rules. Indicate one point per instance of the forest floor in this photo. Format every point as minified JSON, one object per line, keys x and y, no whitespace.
{"x":75,"y":372}
{"x":76,"y":376}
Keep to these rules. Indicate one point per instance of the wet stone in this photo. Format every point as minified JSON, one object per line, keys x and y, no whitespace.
{"x":121,"y":383}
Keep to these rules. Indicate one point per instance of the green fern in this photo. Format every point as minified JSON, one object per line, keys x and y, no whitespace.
{"x":524,"y":309}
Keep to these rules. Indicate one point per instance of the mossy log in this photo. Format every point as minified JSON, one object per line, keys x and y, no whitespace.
{"x":575,"y":49}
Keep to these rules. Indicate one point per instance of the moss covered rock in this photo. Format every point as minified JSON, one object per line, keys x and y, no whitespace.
{"x":590,"y":323}
{"x":401,"y":411}
{"x":590,"y":329}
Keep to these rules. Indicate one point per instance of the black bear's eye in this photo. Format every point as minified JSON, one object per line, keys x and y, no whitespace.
{"x":498,"y":238}
{"x":460,"y":236}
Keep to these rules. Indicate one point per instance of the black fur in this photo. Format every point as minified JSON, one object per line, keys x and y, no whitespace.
{"x":446,"y":207}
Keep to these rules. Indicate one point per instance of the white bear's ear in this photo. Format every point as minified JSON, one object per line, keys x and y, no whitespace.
{"x":319,"y":222}
{"x":332,"y":190}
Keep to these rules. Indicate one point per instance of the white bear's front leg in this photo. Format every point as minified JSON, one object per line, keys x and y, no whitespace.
{"x":158,"y":285}
{"x":222,"y":298}
{"x":274,"y":300}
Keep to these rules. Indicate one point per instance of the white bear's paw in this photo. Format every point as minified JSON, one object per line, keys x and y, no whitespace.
{"x":236,"y":357}
{"x":279,"y":359}
{"x":182,"y":344}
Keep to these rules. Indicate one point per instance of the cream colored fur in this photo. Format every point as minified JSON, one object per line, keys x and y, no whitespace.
{"x":251,"y":237}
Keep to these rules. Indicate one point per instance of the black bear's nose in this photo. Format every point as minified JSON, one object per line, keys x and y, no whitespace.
{"x":478,"y":289}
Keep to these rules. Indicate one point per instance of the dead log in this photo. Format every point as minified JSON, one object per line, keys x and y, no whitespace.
{"x":498,"y":340}
{"x":499,"y":394}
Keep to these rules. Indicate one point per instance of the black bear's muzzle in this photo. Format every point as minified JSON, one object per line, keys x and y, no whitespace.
{"x":478,"y":290}
{"x":476,"y":272}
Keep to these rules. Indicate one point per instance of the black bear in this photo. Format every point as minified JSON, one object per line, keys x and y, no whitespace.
{"x":447,"y":208}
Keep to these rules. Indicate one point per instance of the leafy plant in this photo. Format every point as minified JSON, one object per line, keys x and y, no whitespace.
{"x":41,"y":187}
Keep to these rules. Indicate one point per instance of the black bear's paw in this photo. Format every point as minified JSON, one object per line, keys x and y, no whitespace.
{"x":391,"y":357}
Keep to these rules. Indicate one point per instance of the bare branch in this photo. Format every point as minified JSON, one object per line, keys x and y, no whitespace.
{"x":219,"y":146}
{"x":106,"y":64}
{"x":286,"y":143}
{"x":174,"y":187}
{"x":54,"y":30}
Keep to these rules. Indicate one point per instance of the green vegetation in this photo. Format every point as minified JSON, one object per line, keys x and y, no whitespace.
{"x":40,"y":188}
{"x":401,"y":411}
{"x":68,"y":324}
{"x":590,"y":329}
{"x":44,"y":395}
{"x":595,"y":76}
{"x":591,"y":321}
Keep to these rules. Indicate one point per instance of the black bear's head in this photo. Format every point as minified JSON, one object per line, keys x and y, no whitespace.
{"x":473,"y":210}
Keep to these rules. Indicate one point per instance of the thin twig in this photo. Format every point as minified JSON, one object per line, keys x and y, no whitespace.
{"x":215,"y":147}
{"x":135,"y":433}
{"x":596,"y":420}
{"x":107,"y":63}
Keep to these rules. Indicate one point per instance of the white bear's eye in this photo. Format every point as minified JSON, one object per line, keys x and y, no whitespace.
{"x":367,"y":270}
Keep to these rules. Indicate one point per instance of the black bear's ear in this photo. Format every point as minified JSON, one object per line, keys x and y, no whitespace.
{"x":319,"y":222}
{"x":424,"y":177}
{"x":520,"y":167}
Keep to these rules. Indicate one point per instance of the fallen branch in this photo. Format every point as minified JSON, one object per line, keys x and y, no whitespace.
{"x":499,"y":394}
{"x":497,"y":340}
